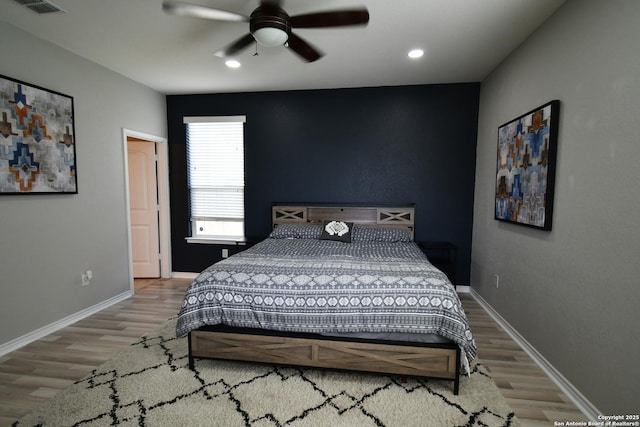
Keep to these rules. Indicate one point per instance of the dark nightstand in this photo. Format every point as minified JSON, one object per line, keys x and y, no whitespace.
{"x":442,"y":255}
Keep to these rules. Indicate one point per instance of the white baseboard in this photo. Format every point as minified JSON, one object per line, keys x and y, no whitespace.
{"x":182,"y":275}
{"x":463,"y":289}
{"x":578,"y":399}
{"x":55,"y":326}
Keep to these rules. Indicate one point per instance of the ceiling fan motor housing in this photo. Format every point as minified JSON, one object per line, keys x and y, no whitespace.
{"x":269,"y":19}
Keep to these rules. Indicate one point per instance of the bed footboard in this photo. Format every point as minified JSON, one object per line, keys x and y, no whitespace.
{"x":440,"y":361}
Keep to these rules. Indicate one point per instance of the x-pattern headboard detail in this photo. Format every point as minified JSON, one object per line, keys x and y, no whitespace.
{"x":387,"y":216}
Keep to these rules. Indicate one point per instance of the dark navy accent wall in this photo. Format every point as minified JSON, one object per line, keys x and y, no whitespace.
{"x":366,"y":145}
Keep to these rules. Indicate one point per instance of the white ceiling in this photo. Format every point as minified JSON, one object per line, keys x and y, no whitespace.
{"x":463,"y":41}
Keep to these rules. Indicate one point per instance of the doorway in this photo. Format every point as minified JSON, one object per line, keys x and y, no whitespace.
{"x":143,"y":208}
{"x":146,"y":173}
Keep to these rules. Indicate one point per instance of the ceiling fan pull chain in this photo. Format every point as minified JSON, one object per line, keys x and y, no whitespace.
{"x":257,"y":53}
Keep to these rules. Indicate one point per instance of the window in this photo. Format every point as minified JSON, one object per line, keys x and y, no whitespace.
{"x":215,"y":164}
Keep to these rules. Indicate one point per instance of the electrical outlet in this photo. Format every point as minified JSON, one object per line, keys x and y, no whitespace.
{"x":497,"y":281}
{"x":225,"y":253}
{"x":86,"y":277}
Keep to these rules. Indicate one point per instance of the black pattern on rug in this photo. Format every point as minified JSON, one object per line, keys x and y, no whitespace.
{"x":150,"y":384}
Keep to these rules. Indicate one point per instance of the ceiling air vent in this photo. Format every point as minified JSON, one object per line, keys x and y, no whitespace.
{"x":40,"y":6}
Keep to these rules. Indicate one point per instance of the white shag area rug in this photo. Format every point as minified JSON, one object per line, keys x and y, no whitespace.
{"x":149,"y":384}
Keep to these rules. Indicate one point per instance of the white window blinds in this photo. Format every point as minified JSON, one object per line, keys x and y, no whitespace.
{"x":215,"y":162}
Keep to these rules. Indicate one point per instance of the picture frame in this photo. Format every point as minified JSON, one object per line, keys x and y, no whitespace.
{"x":525,"y":167}
{"x":37,"y":140}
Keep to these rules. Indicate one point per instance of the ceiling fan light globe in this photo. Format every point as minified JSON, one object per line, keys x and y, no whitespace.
{"x":270,"y":37}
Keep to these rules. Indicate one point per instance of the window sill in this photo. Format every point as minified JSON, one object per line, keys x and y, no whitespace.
{"x":216,"y":241}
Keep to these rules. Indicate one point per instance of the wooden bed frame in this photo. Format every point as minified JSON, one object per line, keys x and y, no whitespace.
{"x":440,"y":361}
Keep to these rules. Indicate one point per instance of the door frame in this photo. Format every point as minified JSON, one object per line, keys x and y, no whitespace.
{"x":162,"y":175}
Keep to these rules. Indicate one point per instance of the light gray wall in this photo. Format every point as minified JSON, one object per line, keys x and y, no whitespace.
{"x":47,"y":241}
{"x":574,"y":292}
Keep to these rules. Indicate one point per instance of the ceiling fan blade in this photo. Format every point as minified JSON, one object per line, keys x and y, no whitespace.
{"x":302,"y":48}
{"x":236,"y":46}
{"x":196,"y":11}
{"x":331,"y":19}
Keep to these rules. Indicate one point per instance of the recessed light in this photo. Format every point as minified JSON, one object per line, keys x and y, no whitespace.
{"x":416,"y":53}
{"x":232,"y":63}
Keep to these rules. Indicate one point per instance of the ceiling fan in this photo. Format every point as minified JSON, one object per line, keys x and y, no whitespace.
{"x":271,"y":26}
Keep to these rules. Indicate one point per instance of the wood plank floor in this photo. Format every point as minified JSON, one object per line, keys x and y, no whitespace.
{"x":536,"y":400}
{"x":31,"y":375}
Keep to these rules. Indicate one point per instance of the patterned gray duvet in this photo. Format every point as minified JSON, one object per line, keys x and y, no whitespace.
{"x":328,"y":287}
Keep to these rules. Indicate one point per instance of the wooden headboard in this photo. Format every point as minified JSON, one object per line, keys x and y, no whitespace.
{"x":386,"y":216}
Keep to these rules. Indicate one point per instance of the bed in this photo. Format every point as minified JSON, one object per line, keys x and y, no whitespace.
{"x":340,"y":287}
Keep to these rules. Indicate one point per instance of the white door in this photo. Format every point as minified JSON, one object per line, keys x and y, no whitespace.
{"x":143,"y":203}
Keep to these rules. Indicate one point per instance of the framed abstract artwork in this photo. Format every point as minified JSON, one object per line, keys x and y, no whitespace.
{"x":37,"y":140}
{"x":525,"y":167}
